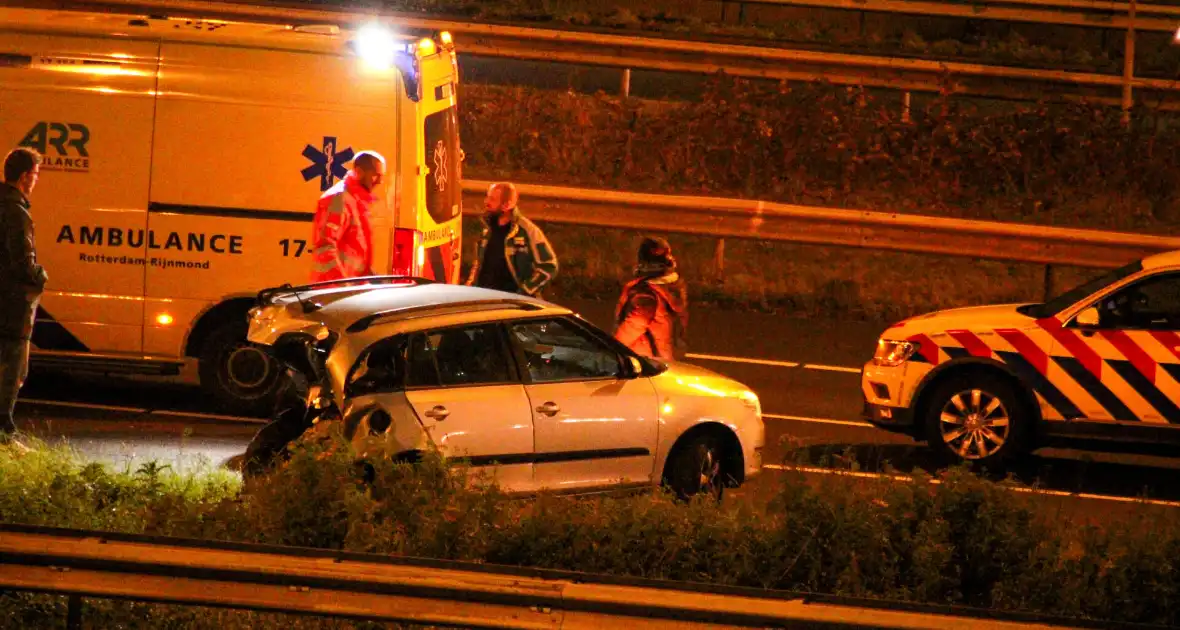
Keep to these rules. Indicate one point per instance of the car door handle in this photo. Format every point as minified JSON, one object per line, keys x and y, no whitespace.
{"x":549,"y":409}
{"x":439,"y":412}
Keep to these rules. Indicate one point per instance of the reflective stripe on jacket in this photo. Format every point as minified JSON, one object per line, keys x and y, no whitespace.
{"x":342,"y":241}
{"x":531,"y":259}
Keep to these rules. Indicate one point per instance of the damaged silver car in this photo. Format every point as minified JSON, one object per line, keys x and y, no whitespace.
{"x":521,"y":388}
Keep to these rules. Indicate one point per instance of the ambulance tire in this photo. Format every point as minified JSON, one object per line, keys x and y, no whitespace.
{"x":1016,"y":440}
{"x":241,"y":378}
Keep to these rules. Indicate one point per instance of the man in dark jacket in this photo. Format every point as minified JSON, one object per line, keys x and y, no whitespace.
{"x":652,"y":313}
{"x":513,"y":254}
{"x":21,"y":280}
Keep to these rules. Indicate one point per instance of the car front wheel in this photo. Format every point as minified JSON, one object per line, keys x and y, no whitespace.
{"x":978,"y":420}
{"x":696,"y":468}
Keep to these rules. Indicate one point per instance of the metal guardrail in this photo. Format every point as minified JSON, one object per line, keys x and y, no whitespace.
{"x":382,"y":588}
{"x":686,"y":56}
{"x":1086,"y":13}
{"x":745,"y":218}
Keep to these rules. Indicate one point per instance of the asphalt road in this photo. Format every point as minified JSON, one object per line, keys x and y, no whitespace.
{"x":806,"y":372}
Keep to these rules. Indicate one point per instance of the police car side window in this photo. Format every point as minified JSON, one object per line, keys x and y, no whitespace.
{"x":1151,"y":304}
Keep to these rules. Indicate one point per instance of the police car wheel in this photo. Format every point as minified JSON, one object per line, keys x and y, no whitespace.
{"x":238,"y":375}
{"x":978,"y":420}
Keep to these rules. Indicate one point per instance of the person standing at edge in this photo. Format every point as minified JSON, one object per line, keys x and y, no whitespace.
{"x":513,"y":254}
{"x":342,"y":239}
{"x":652,"y":313}
{"x":22,"y":281}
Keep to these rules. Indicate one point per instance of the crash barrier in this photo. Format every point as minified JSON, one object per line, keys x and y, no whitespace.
{"x":1128,"y":17}
{"x":886,"y":231}
{"x":686,"y":56}
{"x":91,"y":564}
{"x":1085,"y":13}
{"x":764,"y":220}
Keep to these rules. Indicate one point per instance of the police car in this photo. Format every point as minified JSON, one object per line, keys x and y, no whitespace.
{"x":1101,"y":361}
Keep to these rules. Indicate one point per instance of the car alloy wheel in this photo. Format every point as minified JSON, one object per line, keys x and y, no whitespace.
{"x":974,"y":424}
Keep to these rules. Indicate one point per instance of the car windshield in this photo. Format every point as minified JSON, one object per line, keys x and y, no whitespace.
{"x":1063,"y":301}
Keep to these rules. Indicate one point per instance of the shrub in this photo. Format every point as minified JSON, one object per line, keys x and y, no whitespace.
{"x":814,"y":144}
{"x":963,"y":540}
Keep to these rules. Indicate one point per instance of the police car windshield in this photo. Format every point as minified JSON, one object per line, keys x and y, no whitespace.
{"x":1061,"y":302}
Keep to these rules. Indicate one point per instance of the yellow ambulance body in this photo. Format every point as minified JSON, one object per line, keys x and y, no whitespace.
{"x":183,"y":160}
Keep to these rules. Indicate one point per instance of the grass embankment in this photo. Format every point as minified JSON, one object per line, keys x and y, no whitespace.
{"x":964,"y":541}
{"x":1073,"y":166}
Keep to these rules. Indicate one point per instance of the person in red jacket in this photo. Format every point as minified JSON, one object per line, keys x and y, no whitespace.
{"x":342,"y":241}
{"x":652,"y":313}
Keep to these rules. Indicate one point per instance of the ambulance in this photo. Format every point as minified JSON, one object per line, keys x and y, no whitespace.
{"x":182,"y":162}
{"x":1099,"y":363}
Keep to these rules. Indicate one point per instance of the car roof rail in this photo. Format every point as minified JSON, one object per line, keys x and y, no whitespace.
{"x":365,"y":322}
{"x":265,"y":296}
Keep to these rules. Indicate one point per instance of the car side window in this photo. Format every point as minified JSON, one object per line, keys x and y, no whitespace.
{"x":381,"y":369}
{"x":423,"y":372}
{"x":1151,"y":304}
{"x":470,"y":355}
{"x":557,"y":350}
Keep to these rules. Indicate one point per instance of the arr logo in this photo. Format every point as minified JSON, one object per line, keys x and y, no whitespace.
{"x":68,"y":141}
{"x":326,"y":163}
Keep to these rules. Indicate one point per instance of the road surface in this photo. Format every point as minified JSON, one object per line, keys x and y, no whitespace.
{"x":806,"y":372}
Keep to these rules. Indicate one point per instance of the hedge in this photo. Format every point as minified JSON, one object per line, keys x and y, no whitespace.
{"x":815,"y":144}
{"x":964,"y":541}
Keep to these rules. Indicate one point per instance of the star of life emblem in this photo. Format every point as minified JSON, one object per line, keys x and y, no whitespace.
{"x":440,"y":165}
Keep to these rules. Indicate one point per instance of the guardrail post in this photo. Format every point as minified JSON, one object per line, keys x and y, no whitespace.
{"x":719,"y":257}
{"x":625,"y":83}
{"x":74,"y":613}
{"x":1050,"y":283}
{"x":1129,"y":64}
{"x":905,"y":107}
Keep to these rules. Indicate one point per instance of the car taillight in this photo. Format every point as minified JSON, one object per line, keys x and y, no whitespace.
{"x":408,"y":253}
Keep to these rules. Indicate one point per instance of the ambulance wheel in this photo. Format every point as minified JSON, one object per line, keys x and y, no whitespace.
{"x":978,"y":419}
{"x":240,"y":376}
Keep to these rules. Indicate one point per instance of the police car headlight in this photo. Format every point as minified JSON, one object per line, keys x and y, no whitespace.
{"x":893,"y":353}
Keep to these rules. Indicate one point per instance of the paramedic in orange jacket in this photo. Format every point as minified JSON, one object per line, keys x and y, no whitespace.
{"x":342,"y":242}
{"x":652,"y":313}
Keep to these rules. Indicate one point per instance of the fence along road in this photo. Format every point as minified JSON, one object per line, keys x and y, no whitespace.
{"x":384,"y":588}
{"x":690,"y":56}
{"x":746,"y":218}
{"x":1083,"y":13}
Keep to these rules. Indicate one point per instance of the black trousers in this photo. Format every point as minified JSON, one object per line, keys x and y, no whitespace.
{"x":14,"y":367}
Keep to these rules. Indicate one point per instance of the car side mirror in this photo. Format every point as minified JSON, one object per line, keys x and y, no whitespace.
{"x":1088,"y":318}
{"x":636,"y":367}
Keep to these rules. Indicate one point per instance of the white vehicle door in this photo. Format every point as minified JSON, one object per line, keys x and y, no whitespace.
{"x":465,"y":391}
{"x":594,"y":425}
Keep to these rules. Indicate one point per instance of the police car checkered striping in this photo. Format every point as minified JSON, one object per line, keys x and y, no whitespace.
{"x":1128,"y":376}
